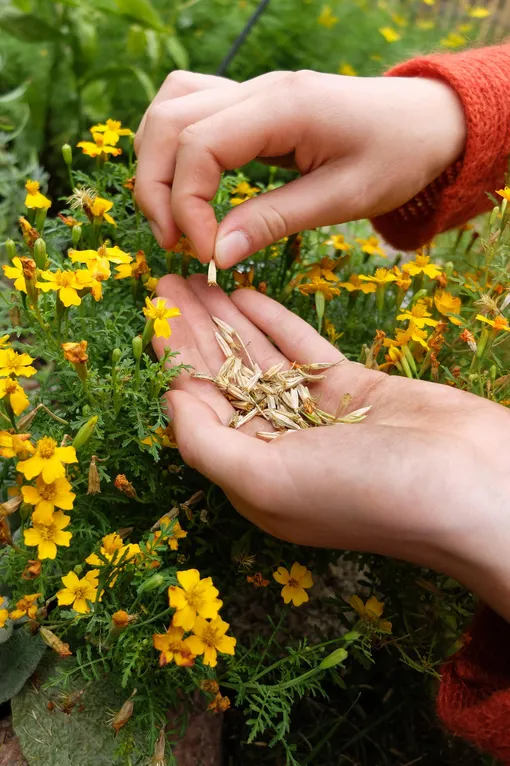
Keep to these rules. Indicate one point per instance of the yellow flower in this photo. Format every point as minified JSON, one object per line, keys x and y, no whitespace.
{"x":347,"y":70}
{"x":505,"y":193}
{"x":294,"y":583}
{"x":17,"y":396}
{"x":34,"y":198}
{"x":173,"y":647}
{"x":111,"y":128}
{"x":102,"y":144}
{"x":380,"y":278}
{"x":404,"y":337}
{"x":66,"y":283}
{"x":48,"y":461}
{"x":135,"y":269}
{"x":327,"y":18}
{"x":453,"y":40}
{"x":425,"y":24}
{"x":331,"y":331}
{"x":422,"y":265}
{"x":16,"y":272}
{"x":339,"y":243}
{"x":45,"y":497}
{"x":4,"y":340}
{"x":245,"y":190}
{"x":447,"y":304}
{"x":159,"y":313}
{"x":321,"y":286}
{"x":14,"y":445}
{"x":152,"y":284}
{"x":195,"y":597}
{"x":114,"y":551}
{"x":175,"y":535}
{"x":389,"y":34}
{"x":371,"y":612}
{"x":403,"y":280}
{"x":323,"y":270}
{"x":371,"y":246}
{"x":48,"y":536}
{"x":498,"y":324}
{"x":12,"y":363}
{"x":4,"y":613}
{"x":26,"y":607}
{"x":163,"y":436}
{"x":479,"y":13}
{"x":99,"y":209}
{"x":209,"y":638}
{"x":78,"y":592}
{"x":399,"y":20}
{"x":418,"y":315}
{"x":354,"y":283}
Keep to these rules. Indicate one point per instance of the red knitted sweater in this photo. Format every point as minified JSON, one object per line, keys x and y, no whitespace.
{"x":474,"y":695}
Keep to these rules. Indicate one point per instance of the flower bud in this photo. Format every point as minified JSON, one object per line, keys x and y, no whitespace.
{"x":320,"y":304}
{"x":76,"y":235}
{"x":418,"y":296}
{"x":148,"y":332}
{"x":448,"y":269}
{"x":85,"y":432}
{"x":40,"y":255}
{"x":40,"y":218}
{"x":156,"y":581}
{"x":10,"y":246}
{"x":116,"y":355}
{"x":335,"y":658}
{"x":120,"y":621}
{"x":137,"y":348}
{"x":494,"y":215}
{"x":67,"y":154}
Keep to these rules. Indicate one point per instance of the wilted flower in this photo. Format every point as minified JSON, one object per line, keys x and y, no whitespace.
{"x":257,"y":580}
{"x":219,"y":704}
{"x":124,"y":486}
{"x":32,"y":569}
{"x":467,"y":336}
{"x":135,"y":269}
{"x":76,"y":353}
{"x":30,"y":234}
{"x":294,"y":583}
{"x":54,"y":642}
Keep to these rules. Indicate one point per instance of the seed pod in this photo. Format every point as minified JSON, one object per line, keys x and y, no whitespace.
{"x":122,"y":717}
{"x":85,"y":432}
{"x":94,"y":485}
{"x":54,"y":642}
{"x":335,"y":658}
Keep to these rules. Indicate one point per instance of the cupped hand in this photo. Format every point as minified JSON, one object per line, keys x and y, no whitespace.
{"x":363,"y":147}
{"x":423,"y":478}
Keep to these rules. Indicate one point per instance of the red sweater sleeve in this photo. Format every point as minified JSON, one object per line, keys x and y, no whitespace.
{"x":481,"y":77}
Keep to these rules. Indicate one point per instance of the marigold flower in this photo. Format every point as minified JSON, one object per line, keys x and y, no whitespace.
{"x":12,"y":363}
{"x":109,"y":127}
{"x":68,"y":220}
{"x":48,"y":460}
{"x":209,"y":638}
{"x":453,"y":40}
{"x":113,"y":550}
{"x":327,"y":18}
{"x":347,"y":70}
{"x":15,"y":445}
{"x":120,"y":619}
{"x":78,"y":592}
{"x":219,"y":704}
{"x":404,"y":337}
{"x":371,"y":246}
{"x":4,"y":613}
{"x":294,"y":583}
{"x":210,"y":686}
{"x":163,"y":436}
{"x":177,"y":533}
{"x":467,"y":336}
{"x":389,"y":34}
{"x":76,"y":353}
{"x":323,"y":270}
{"x":15,"y":393}
{"x":339,"y":243}
{"x":32,"y":569}
{"x":258,"y":580}
{"x":48,"y":536}
{"x":66,"y":283}
{"x":195,"y":598}
{"x":380,"y":278}
{"x":498,"y":323}
{"x":30,"y":235}
{"x":173,"y":647}
{"x":135,"y":269}
{"x":34,"y":198}
{"x":331,"y":331}
{"x":403,"y":280}
{"x":16,"y":272}
{"x":371,"y":612}
{"x":101,"y":145}
{"x":418,"y":315}
{"x":355,"y":283}
{"x":319,"y":286}
{"x":26,"y":607}
{"x":422,"y":265}
{"x":130,"y":184}
{"x":184,"y":247}
{"x":505,"y":193}
{"x":45,"y":497}
{"x":124,"y":486}
{"x":159,"y":313}
{"x":447,"y":304}
{"x":151,"y":284}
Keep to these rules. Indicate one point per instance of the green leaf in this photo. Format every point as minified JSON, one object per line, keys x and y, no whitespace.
{"x":19,"y":657}
{"x":177,"y":51}
{"x":14,"y":94}
{"x":141,"y":11}
{"x":27,"y":27}
{"x":145,"y":81}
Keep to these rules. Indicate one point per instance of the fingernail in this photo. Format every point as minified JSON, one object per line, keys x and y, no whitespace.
{"x":231,"y":249}
{"x":156,"y":231}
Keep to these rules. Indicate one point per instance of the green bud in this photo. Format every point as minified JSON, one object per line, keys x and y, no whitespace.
{"x":335,"y":658}
{"x":137,"y":348}
{"x":10,"y":246}
{"x":85,"y":432}
{"x":156,"y":581}
{"x":494,"y":215}
{"x":148,"y":332}
{"x":482,"y":343}
{"x":78,"y":569}
{"x":493,"y":372}
{"x":351,"y":637}
{"x":448,"y":269}
{"x":67,"y":154}
{"x":320,"y":305}
{"x":40,"y":218}
{"x":116,"y":355}
{"x":503,"y":207}
{"x":40,"y":255}
{"x":25,"y":510}
{"x":418,"y":296}
{"x":76,"y":235}
{"x":86,"y":410}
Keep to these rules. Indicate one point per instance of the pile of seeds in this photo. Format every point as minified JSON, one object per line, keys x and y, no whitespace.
{"x":281,"y":397}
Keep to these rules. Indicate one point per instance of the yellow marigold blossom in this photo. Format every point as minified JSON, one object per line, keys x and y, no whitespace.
{"x":159,"y":313}
{"x":354,"y":283}
{"x":15,"y":445}
{"x":16,"y":272}
{"x":294,"y":583}
{"x":135,"y":269}
{"x":318,"y":285}
{"x":4,"y":613}
{"x":245,"y":190}
{"x":447,"y":304}
{"x":66,"y":283}
{"x":113,"y":550}
{"x":371,"y":246}
{"x":48,"y":461}
{"x":505,"y":193}
{"x":327,"y":18}
{"x":194,"y":597}
{"x":422,"y":265}
{"x":498,"y":323}
{"x":163,"y":436}
{"x":78,"y":592}
{"x":110,"y":254}
{"x":109,"y":128}
{"x":45,"y":497}
{"x":101,"y":145}
{"x":12,"y":363}
{"x":418,"y":315}
{"x":339,"y":243}
{"x":99,"y":209}
{"x":331,"y":331}
{"x":16,"y":394}
{"x":380,"y":278}
{"x":34,"y":198}
{"x":453,"y":40}
{"x":389,"y":34}
{"x":404,"y":337}
{"x":48,"y":536}
{"x":479,"y":12}
{"x":173,"y":647}
{"x":403,"y":280}
{"x":371,"y":612}
{"x":26,"y":607}
{"x":4,"y":340}
{"x":209,"y":638}
{"x":347,"y":70}
{"x":219,"y":704}
{"x":152,"y":284}
{"x":323,"y":269}
{"x":30,"y":235}
{"x":177,"y":533}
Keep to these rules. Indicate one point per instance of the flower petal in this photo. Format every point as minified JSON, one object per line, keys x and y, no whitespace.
{"x":281,"y":575}
{"x":189,"y":578}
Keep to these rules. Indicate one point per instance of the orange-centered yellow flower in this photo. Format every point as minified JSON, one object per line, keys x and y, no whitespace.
{"x":99,"y":209}
{"x":48,"y":461}
{"x":371,"y":612}
{"x":355,"y":283}
{"x":447,"y":304}
{"x":380,"y":278}
{"x":78,"y":592}
{"x":422,"y":265}
{"x":16,"y":272}
{"x":159,"y":313}
{"x":26,"y":607}
{"x":4,"y":613}
{"x":505,"y":193}
{"x":175,"y":534}
{"x":173,"y":647}
{"x":48,"y":536}
{"x":110,"y":129}
{"x":114,"y":551}
{"x":498,"y":323}
{"x":45,"y":497}
{"x":12,"y":363}
{"x":371,"y":246}
{"x":323,"y":269}
{"x":135,"y":269}
{"x":209,"y":638}
{"x":404,"y":337}
{"x":15,"y":393}
{"x":318,"y":285}
{"x":102,"y":144}
{"x":34,"y":198}
{"x":66,"y":283}
{"x":194,"y":597}
{"x":418,"y":315}
{"x":294,"y":583}
{"x":339,"y":243}
{"x":15,"y":445}
{"x":327,"y":18}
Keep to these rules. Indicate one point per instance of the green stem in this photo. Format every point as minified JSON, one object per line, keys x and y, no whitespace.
{"x":152,"y":619}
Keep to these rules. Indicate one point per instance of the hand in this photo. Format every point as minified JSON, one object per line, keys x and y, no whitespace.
{"x":423,"y":478}
{"x":363,"y":147}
